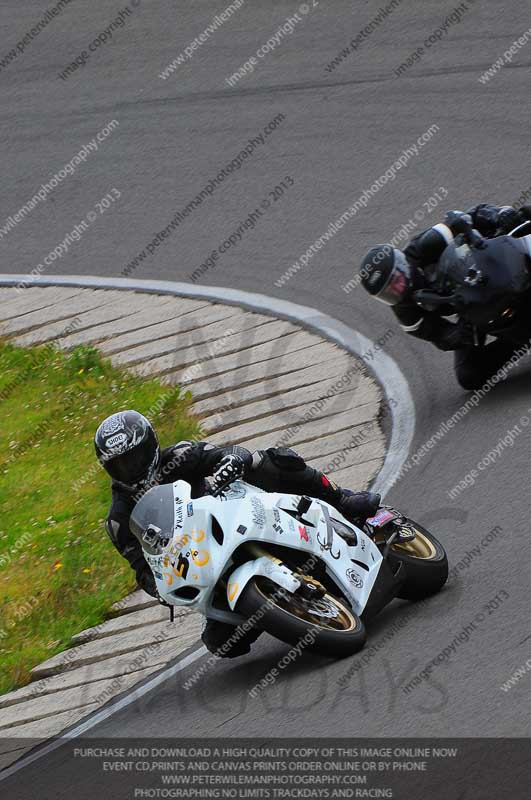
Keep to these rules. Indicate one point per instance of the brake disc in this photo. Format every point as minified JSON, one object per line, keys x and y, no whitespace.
{"x":324,"y":608}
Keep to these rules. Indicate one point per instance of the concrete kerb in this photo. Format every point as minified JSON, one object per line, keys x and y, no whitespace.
{"x":382,"y":366}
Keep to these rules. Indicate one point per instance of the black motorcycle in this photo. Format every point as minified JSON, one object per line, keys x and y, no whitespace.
{"x":487,"y":283}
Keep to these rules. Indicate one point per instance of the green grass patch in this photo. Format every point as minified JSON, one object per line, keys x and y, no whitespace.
{"x":59,"y":572}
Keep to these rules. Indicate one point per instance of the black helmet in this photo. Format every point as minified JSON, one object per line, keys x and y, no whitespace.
{"x":386,"y":274}
{"x":128,"y":449}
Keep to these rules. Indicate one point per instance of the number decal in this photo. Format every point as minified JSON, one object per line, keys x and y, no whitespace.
{"x":200,"y":557}
{"x":180,"y":569}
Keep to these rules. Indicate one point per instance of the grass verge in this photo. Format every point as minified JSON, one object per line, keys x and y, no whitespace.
{"x":59,"y":572}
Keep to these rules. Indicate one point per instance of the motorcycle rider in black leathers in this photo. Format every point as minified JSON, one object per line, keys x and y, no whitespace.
{"x":392,"y":276}
{"x":127,"y":447}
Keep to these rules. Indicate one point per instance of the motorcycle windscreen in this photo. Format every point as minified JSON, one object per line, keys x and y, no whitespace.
{"x":154,"y":508}
{"x":453,"y":267}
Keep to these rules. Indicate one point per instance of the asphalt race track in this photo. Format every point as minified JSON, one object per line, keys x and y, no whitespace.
{"x":341,"y":130}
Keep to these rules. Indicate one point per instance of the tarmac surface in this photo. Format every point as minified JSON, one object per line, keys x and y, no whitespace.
{"x":335,"y":133}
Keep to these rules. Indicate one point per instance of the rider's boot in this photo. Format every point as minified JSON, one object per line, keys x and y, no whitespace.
{"x":228,"y":641}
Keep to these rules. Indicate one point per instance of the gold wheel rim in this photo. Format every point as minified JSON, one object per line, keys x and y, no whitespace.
{"x":419,"y":547}
{"x":345,"y":618}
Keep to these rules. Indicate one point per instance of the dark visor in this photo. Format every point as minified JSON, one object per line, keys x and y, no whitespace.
{"x":132,"y":466}
{"x":398,"y":283}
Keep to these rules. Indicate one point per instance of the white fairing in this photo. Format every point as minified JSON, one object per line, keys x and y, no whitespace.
{"x":200,"y":549}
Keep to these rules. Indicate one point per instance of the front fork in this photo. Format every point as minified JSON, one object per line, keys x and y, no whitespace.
{"x":479,"y":337}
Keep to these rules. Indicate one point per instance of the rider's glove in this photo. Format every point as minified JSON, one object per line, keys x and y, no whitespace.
{"x":229,"y":469}
{"x":459,"y":222}
{"x":358,"y":506}
{"x":507,"y":219}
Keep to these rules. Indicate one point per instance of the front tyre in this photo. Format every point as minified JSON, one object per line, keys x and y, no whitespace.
{"x":323,"y":624}
{"x":425,"y":563}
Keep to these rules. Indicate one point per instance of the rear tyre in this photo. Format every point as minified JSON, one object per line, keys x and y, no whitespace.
{"x":326,"y":625}
{"x":425,"y":563}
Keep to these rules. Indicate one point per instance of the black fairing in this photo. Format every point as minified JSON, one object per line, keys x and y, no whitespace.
{"x":489,"y":284}
{"x":386,"y":588}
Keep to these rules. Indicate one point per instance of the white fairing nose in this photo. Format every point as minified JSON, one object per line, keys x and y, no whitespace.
{"x":207,"y":548}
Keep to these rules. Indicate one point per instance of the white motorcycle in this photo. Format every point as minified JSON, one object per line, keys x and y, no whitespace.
{"x":287,"y":564}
